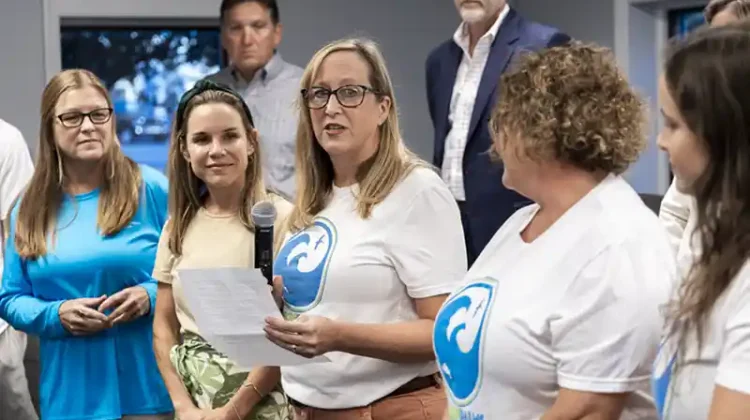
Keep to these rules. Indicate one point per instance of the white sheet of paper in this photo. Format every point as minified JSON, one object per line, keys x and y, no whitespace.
{"x":230,"y":306}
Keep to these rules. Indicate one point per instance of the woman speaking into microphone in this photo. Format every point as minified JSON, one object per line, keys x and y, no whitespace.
{"x":375,"y":245}
{"x":215,"y":179}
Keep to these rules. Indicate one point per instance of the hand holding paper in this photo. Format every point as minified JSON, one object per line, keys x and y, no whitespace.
{"x":230,"y":306}
{"x":307,"y":336}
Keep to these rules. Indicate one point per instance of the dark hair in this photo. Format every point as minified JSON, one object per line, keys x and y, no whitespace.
{"x":739,"y":8}
{"x":202,"y":86}
{"x":708,"y":76}
{"x":270,"y":5}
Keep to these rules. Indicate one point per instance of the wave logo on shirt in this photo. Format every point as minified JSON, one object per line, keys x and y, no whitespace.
{"x":303,"y":264}
{"x":458,"y":337}
{"x":663,"y":370}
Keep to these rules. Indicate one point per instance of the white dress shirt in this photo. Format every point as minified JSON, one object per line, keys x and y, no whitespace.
{"x":15,"y":171}
{"x":464,"y":95}
{"x":675,"y":212}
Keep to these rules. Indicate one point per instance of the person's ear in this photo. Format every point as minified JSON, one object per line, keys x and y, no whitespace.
{"x":183,"y":149}
{"x":385,"y":108}
{"x":253,"y":138}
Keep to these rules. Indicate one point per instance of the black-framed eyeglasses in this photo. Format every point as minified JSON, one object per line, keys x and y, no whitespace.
{"x":349,"y":96}
{"x":74,"y":119}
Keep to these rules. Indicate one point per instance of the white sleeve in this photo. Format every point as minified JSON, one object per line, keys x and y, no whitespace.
{"x":734,"y":362}
{"x":427,"y":245}
{"x":606,"y":332}
{"x":674,"y":213}
{"x":15,"y":167}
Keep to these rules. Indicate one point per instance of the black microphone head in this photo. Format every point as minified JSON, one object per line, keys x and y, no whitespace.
{"x":263,"y":214}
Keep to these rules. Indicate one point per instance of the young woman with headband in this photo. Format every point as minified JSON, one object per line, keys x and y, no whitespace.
{"x":215,"y":177}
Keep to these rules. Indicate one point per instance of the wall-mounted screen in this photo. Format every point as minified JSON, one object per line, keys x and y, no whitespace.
{"x":146,"y":67}
{"x":684,"y":21}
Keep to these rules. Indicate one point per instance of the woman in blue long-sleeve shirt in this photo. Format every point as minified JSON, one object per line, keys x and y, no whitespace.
{"x":79,"y":258}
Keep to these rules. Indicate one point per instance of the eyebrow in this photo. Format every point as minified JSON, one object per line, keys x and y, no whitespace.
{"x":343,"y":82}
{"x":225,"y":131}
{"x":77,"y":109}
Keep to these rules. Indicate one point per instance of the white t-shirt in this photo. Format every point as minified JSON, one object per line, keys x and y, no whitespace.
{"x":15,"y":171}
{"x":675,"y":212}
{"x":368,"y":271}
{"x":577,"y":308}
{"x":686,"y":394}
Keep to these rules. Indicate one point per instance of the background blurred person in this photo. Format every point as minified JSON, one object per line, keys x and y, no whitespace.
{"x":559,"y":316}
{"x":675,"y":211}
{"x":250,"y":33}
{"x":375,"y":245}
{"x":722,"y":12}
{"x":702,"y":368}
{"x":79,"y":260}
{"x":215,"y":179}
{"x":15,"y":171}
{"x":462,"y":77}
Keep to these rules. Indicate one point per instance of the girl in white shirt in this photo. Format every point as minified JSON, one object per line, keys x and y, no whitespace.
{"x":375,"y":246}
{"x":559,"y":316}
{"x":703,"y":368}
{"x":677,"y":209}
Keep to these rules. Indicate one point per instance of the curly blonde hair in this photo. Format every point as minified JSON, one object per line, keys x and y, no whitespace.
{"x":571,"y":104}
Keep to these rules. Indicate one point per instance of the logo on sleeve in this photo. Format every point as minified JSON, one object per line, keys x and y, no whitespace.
{"x":458,"y":337}
{"x":303,"y":264}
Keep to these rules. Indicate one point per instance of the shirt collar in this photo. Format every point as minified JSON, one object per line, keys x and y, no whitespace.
{"x":461,"y":36}
{"x":268,"y":72}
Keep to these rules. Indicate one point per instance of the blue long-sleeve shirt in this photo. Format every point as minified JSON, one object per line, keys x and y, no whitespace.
{"x":111,"y":373}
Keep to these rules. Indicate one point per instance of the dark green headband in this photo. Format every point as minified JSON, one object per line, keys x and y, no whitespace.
{"x":203,"y":86}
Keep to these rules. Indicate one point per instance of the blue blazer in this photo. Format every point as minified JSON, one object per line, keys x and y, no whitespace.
{"x":488,"y":203}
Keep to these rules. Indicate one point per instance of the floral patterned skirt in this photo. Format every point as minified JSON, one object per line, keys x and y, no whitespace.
{"x":212,"y":379}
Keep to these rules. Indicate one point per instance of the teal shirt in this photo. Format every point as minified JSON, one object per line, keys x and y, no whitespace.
{"x":112,"y":373}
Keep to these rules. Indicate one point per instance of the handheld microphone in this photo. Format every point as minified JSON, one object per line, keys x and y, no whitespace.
{"x":263,"y":214}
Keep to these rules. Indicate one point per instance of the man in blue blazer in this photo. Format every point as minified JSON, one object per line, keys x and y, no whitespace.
{"x":462,"y":78}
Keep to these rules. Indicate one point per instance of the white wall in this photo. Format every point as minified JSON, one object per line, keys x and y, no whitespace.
{"x":636,"y":30}
{"x":22,"y":66}
{"x":589,"y":20}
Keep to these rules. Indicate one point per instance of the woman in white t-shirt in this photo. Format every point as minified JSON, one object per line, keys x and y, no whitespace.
{"x":677,"y":211}
{"x":375,"y":246}
{"x":703,"y":367}
{"x":559,"y":316}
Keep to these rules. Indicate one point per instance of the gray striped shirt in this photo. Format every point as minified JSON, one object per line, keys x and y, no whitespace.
{"x":272,"y":97}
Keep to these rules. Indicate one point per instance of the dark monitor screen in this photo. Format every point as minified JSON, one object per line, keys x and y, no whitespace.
{"x":146,"y":68}
{"x":684,"y":21}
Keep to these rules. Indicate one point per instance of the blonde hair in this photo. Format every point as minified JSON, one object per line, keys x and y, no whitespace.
{"x":379,"y":175}
{"x":185,"y":188}
{"x":38,"y":209}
